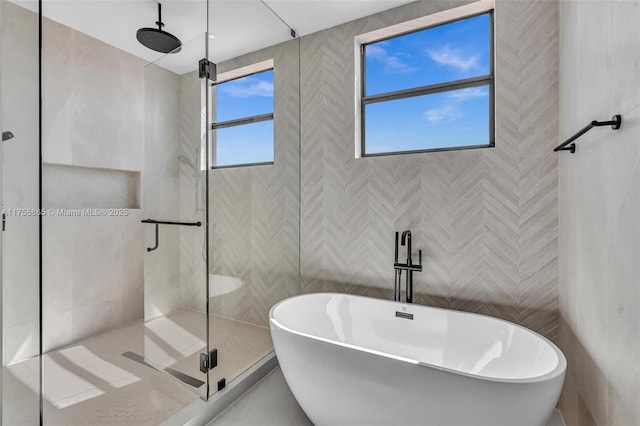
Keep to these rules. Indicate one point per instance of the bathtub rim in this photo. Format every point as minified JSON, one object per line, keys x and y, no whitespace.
{"x":557,"y":371}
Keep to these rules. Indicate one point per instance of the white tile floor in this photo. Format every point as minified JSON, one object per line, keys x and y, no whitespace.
{"x":268,"y":403}
{"x":91,"y":383}
{"x":271,"y":403}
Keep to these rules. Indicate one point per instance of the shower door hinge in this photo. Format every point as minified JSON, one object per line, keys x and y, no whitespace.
{"x":207,"y":69}
{"x":209,"y":361}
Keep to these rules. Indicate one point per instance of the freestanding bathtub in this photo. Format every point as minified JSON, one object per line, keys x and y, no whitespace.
{"x":353,"y":360}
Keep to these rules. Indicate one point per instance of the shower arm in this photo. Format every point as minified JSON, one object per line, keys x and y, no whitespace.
{"x":159,"y":21}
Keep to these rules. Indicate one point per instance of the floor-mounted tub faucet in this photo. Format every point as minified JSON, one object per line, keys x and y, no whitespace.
{"x":408,"y":266}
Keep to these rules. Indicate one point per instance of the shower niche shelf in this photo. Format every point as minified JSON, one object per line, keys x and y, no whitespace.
{"x":77,"y":187}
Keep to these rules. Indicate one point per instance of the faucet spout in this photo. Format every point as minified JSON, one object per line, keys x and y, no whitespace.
{"x":405,"y":234}
{"x":406,"y":240}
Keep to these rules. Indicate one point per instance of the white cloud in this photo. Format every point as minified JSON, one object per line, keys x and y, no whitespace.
{"x":392,"y":64}
{"x":469,"y":93}
{"x":376,"y":52}
{"x":450,"y":109}
{"x":248,"y":86}
{"x":444,"y":114}
{"x":454,"y":58}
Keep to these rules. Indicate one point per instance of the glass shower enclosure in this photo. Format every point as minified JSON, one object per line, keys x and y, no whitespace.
{"x":20,"y":271}
{"x":137,"y":269}
{"x":254,"y":182}
{"x":176,"y":215}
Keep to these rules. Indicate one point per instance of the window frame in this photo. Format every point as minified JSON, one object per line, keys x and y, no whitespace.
{"x":484,"y":80}
{"x":242,"y":121}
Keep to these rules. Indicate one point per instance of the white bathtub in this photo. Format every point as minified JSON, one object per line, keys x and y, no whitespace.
{"x":350,"y":360}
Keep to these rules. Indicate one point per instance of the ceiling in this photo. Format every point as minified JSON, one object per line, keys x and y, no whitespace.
{"x":237,"y":26}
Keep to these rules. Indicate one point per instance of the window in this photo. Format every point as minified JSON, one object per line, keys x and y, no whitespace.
{"x":429,"y":90}
{"x":243,"y":127}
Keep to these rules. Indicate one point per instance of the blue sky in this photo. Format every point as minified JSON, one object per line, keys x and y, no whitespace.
{"x":248,"y":143}
{"x":449,"y":52}
{"x":245,"y":97}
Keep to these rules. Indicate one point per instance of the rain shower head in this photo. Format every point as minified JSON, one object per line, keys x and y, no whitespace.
{"x":6,"y":136}
{"x":157,"y":39}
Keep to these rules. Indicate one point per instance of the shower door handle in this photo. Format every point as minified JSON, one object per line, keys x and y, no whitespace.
{"x":166,"y":222}
{"x":157,"y":240}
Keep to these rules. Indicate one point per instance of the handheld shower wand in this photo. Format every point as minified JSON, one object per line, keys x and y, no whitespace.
{"x":398,"y":276}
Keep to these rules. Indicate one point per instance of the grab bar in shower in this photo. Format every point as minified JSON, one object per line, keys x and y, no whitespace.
{"x":165,"y":222}
{"x":615,"y":123}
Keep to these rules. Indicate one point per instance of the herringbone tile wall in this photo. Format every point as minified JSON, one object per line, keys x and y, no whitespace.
{"x":486,"y":219}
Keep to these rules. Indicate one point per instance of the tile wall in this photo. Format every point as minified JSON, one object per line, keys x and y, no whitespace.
{"x":485,"y":219}
{"x":93,"y":127}
{"x":599,"y":193}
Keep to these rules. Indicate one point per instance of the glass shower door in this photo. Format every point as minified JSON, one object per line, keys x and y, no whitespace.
{"x":19,"y":118}
{"x":254,"y":184}
{"x":174,"y":210}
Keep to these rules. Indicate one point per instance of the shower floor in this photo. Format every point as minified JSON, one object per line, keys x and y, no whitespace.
{"x":91,"y":383}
